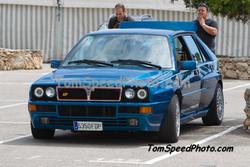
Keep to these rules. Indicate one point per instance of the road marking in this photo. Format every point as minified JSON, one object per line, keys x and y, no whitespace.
{"x":12,"y":105}
{"x":165,"y":156}
{"x":78,"y":160}
{"x":13,"y":100}
{"x":15,"y":83}
{"x":45,"y":73}
{"x":5,"y":122}
{"x":34,"y":157}
{"x":229,"y":119}
{"x":118,"y":161}
{"x":13,"y":139}
{"x":236,"y":87}
{"x":218,"y":134}
{"x":29,"y":73}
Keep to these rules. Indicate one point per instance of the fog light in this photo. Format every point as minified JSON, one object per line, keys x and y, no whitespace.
{"x":145,"y":110}
{"x":133,"y":122}
{"x":44,"y":120}
{"x":31,"y":107}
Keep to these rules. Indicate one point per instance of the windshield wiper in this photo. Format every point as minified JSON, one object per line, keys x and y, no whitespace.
{"x":135,"y":62}
{"x":91,"y":62}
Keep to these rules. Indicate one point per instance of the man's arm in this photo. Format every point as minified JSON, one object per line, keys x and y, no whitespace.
{"x":212,"y":30}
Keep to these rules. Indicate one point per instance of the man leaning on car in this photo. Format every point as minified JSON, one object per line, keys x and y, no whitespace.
{"x":120,"y":15}
{"x":207,"y":28}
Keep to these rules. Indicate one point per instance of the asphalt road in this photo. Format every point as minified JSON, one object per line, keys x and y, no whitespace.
{"x":18,"y":148}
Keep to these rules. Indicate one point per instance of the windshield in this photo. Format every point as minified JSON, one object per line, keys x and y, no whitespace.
{"x":107,"y":48}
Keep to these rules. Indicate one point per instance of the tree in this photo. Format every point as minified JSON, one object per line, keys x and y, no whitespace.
{"x":237,"y":9}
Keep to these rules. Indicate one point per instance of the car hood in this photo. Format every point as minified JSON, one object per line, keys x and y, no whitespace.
{"x":105,"y":75}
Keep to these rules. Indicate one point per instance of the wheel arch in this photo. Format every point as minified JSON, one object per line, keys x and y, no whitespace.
{"x":179,"y":94}
{"x":221,"y":83}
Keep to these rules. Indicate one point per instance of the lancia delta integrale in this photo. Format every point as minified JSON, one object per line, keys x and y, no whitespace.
{"x":146,"y":76}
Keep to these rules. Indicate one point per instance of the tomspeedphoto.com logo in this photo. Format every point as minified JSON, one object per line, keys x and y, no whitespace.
{"x":190,"y":148}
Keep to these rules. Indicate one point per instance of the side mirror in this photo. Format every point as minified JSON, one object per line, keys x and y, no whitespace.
{"x":187,"y":65}
{"x":55,"y":63}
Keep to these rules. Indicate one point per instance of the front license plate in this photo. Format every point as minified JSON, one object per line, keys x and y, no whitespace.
{"x":87,"y":126}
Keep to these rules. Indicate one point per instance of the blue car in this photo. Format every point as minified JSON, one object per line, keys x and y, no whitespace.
{"x":146,"y":76}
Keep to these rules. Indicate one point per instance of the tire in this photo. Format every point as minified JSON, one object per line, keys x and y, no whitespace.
{"x":216,"y":109}
{"x":170,"y":127}
{"x":42,"y":133}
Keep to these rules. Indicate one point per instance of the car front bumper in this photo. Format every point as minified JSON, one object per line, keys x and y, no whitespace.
{"x":118,"y":121}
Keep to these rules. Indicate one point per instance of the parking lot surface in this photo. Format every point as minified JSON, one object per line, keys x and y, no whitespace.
{"x":18,"y":148}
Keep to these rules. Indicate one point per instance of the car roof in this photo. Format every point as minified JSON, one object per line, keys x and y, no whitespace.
{"x":144,"y":31}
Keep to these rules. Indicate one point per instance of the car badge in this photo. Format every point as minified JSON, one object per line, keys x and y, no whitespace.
{"x":65,"y":94}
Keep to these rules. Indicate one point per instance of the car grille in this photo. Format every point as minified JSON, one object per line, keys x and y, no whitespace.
{"x":105,"y":94}
{"x":89,"y":94}
{"x":71,"y":94}
{"x":87,"y":111}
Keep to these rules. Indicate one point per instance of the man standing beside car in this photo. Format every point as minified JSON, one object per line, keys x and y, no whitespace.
{"x":120,"y":15}
{"x":207,"y":28}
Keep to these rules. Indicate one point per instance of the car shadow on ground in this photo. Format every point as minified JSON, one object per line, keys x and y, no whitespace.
{"x":103,"y":139}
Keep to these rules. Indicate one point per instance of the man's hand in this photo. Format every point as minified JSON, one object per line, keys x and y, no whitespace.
{"x":210,"y":30}
{"x":202,"y":21}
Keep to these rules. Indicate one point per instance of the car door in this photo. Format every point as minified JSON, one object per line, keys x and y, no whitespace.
{"x":190,"y":79}
{"x":208,"y":81}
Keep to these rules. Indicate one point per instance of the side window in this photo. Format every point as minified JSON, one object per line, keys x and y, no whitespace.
{"x":204,"y":54}
{"x":178,"y":48}
{"x":182,"y":53}
{"x":193,"y":49}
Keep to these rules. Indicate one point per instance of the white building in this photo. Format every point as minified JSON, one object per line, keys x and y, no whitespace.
{"x":42,"y":24}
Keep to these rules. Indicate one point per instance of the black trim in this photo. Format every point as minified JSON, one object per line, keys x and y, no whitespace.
{"x":45,"y":108}
{"x":129,"y":110}
{"x":87,"y":111}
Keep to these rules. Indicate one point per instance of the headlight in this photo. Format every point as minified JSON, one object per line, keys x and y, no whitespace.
{"x":50,"y":92}
{"x":38,"y":92}
{"x":142,"y":94}
{"x":129,"y":93}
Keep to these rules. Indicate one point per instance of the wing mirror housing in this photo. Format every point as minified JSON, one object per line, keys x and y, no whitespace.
{"x":187,"y":65}
{"x":55,"y":63}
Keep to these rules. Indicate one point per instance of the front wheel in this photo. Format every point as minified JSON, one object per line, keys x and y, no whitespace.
{"x":170,"y":128}
{"x":42,"y":133}
{"x":216,"y":109}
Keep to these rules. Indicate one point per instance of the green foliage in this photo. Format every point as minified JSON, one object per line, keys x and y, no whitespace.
{"x":233,"y":9}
